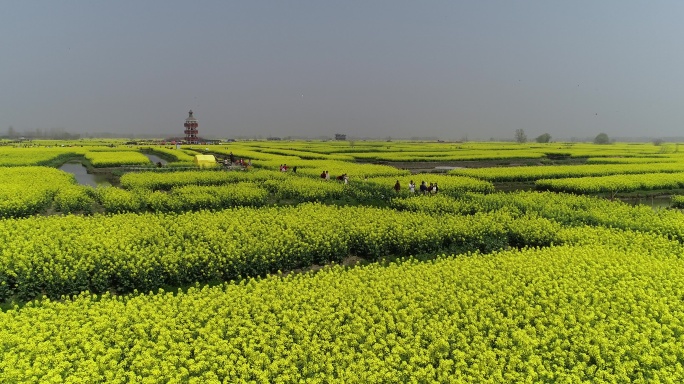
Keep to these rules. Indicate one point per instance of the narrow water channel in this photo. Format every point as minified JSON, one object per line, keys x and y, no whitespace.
{"x":660,"y":202}
{"x":155,"y":159}
{"x":82,"y":176}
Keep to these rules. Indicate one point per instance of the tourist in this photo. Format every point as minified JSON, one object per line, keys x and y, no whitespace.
{"x":397,"y":187}
{"x":412,"y":187}
{"x":423,"y":188}
{"x":323,"y":175}
{"x":327,"y":175}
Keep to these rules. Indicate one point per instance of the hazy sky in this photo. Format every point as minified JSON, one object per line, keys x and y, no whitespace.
{"x":450,"y":69}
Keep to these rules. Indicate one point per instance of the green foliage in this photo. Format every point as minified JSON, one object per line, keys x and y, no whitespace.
{"x":601,"y":138}
{"x":449,"y":185}
{"x":543,"y":138}
{"x":64,"y":255}
{"x":614,"y":183}
{"x":520,"y":136}
{"x":677,"y":201}
{"x":566,"y":209}
{"x":174,"y":155}
{"x":26,"y":191}
{"x":14,"y":156}
{"x":118,"y":200}
{"x":306,"y":189}
{"x":74,"y":198}
{"x":544,"y":287}
{"x":116,"y":158}
{"x":562,"y":314}
{"x":527,"y":173}
{"x":193,"y":197}
{"x":168,"y":180}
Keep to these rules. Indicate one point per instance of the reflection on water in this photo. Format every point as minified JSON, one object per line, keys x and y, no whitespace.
{"x":83,"y":177}
{"x":660,"y":202}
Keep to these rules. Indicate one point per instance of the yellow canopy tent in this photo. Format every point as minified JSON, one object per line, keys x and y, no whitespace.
{"x":203,"y":161}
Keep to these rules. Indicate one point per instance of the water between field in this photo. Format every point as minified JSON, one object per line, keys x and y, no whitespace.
{"x":155,"y":159}
{"x":82,"y":176}
{"x":660,"y":202}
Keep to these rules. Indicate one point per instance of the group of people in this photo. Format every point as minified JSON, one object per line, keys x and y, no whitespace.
{"x":230,"y":160}
{"x":240,"y":162}
{"x":424,"y":188}
{"x":343,"y":177}
{"x":284,"y":168}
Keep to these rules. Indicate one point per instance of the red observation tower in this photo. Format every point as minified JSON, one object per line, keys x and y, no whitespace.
{"x":191,"y":129}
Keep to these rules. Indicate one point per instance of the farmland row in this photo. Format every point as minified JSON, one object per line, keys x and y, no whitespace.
{"x":175,"y":155}
{"x":560,"y":207}
{"x":540,"y":315}
{"x":613,"y":183}
{"x":31,"y":190}
{"x":13,"y":157}
{"x":28,"y":190}
{"x":102,"y":159}
{"x":218,"y":190}
{"x":66,"y":255}
{"x":97,"y":156}
{"x":165,"y":181}
{"x":527,"y":173}
{"x":632,"y":160}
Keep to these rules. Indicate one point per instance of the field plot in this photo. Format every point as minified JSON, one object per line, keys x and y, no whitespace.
{"x":11,"y":156}
{"x":541,"y":315}
{"x":29,"y":190}
{"x":248,"y":273}
{"x":614,"y":183}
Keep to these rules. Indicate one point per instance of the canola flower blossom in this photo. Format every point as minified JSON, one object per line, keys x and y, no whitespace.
{"x":533,"y":315}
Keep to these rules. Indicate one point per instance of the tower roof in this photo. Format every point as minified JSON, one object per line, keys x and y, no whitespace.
{"x":190,"y":117}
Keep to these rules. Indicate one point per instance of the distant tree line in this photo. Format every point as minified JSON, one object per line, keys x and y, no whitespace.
{"x":53,"y":134}
{"x":521,"y":137}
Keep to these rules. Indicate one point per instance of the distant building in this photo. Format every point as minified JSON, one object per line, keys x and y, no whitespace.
{"x":191,"y":129}
{"x":339,"y":136}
